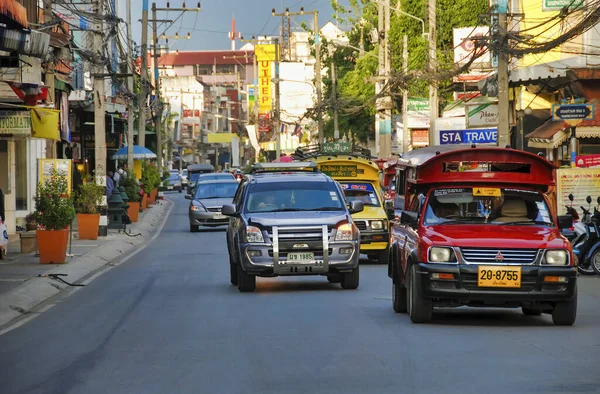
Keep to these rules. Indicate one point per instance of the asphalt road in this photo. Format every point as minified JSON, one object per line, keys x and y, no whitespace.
{"x":168,"y":321}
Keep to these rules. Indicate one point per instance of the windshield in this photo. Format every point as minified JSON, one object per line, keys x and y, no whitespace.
{"x":487,"y":206}
{"x":174,"y":176}
{"x":363,"y":192}
{"x":294,"y":196}
{"x":215,"y":190}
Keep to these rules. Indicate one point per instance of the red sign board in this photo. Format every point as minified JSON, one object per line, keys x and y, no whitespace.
{"x":420,"y":137}
{"x":187,"y":113}
{"x":588,"y":160}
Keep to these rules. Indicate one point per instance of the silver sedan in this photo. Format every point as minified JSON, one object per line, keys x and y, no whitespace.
{"x":209,"y":197}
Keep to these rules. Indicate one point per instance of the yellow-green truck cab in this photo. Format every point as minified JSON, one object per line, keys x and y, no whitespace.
{"x":359,"y":177}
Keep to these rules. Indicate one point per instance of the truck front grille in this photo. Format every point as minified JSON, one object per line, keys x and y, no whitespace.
{"x":499,"y":256}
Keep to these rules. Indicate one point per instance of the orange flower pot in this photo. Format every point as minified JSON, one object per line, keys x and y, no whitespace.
{"x":52,"y":246}
{"x":133,"y":211}
{"x":144,"y":203}
{"x":88,"y":225}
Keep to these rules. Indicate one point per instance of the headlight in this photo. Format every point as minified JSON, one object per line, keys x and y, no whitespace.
{"x":377,"y":224}
{"x":440,"y":255}
{"x":556,"y":257}
{"x":253,"y":234}
{"x":344,"y":232}
{"x":197,"y":208}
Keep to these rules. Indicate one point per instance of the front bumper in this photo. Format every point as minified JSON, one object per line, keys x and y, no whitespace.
{"x":264,"y":265}
{"x":207,"y":218}
{"x":374,"y":240}
{"x":463,"y":289}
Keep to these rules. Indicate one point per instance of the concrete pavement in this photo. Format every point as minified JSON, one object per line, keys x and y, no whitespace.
{"x":21,"y":288}
{"x":168,"y":321}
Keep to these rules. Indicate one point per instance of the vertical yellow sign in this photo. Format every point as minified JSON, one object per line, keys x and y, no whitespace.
{"x":62,"y":167}
{"x":265,"y":55}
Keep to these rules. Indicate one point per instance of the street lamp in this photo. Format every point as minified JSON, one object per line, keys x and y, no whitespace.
{"x":398,"y":10}
{"x":315,"y":14}
{"x":342,"y":43}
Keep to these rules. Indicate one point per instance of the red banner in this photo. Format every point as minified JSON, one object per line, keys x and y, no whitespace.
{"x":588,"y":160}
{"x":264,"y":127}
{"x":187,"y":113}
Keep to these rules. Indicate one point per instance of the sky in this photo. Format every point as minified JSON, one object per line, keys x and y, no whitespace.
{"x":209,"y":28}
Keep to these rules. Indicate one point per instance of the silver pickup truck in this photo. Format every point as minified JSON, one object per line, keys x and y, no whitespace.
{"x":290,"y":219}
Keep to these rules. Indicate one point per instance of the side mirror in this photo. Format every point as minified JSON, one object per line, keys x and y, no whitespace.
{"x":565,"y":221}
{"x":229,"y":210}
{"x":571,"y":198}
{"x":391,"y":214}
{"x":410,"y":219}
{"x":188,"y":196}
{"x":588,"y":199}
{"x":356,"y":206}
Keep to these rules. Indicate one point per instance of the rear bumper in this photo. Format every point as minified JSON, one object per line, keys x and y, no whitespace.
{"x":207,"y":219}
{"x":464,"y":289}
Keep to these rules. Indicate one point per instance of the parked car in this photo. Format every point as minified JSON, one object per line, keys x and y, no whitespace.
{"x":209,"y":197}
{"x":291,"y":219}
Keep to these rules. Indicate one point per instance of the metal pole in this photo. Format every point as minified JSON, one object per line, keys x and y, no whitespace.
{"x":194,"y":128}
{"x":336,"y":130}
{"x":385,"y":138}
{"x":48,"y":16}
{"x":99,"y":121}
{"x":405,"y":136}
{"x":130,"y":109}
{"x":144,"y":77}
{"x":433,"y":89}
{"x":380,"y":71}
{"x":503,"y":107}
{"x":159,"y":109}
{"x":278,"y":106}
{"x":318,"y":77}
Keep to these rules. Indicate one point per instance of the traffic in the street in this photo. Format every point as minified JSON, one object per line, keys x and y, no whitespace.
{"x":171,"y":318}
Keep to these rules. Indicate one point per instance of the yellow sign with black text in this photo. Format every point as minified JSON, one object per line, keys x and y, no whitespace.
{"x":487,"y":192}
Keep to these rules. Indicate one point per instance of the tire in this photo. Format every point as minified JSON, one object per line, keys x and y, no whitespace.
{"x":585,"y":270}
{"x":246,"y":283}
{"x":233,"y":274}
{"x":399,"y":298}
{"x":420,"y":309}
{"x":194,"y":229}
{"x":383,"y":257}
{"x":180,"y":190}
{"x":350,"y":280}
{"x":531,"y":311}
{"x":565,"y":313}
{"x":595,"y":261}
{"x":335,"y":278}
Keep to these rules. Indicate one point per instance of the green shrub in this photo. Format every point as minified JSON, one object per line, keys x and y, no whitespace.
{"x":150,"y":177}
{"x":88,"y":197}
{"x":131,"y":187}
{"x":53,"y":206}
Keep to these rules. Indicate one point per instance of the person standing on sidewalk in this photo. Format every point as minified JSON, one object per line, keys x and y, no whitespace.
{"x":110,"y":185}
{"x":117,"y":177}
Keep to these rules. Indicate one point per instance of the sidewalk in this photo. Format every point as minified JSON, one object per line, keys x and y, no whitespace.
{"x":22,"y":288}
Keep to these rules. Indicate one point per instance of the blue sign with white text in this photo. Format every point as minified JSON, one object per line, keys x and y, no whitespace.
{"x":470,"y":136}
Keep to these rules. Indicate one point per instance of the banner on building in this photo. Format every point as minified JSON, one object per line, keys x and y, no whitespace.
{"x":580,"y":182}
{"x":188,"y":113}
{"x":418,"y":113}
{"x":465,"y":39}
{"x":420,"y":137}
{"x":265,"y":56}
{"x":61,"y":166}
{"x":264,"y":127}
{"x":481,"y":115}
{"x":45,"y":123}
{"x":15,"y":123}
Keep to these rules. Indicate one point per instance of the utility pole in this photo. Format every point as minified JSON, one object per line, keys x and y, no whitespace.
{"x":99,"y":121}
{"x":48,"y":16}
{"x":144,"y":76}
{"x":180,"y":127}
{"x":336,"y":130}
{"x":380,"y":72}
{"x":130,"y":109}
{"x":405,"y":136}
{"x":277,"y":105}
{"x":157,"y":98}
{"x":386,"y":133}
{"x":503,"y":101}
{"x":433,"y":88}
{"x":318,"y":76}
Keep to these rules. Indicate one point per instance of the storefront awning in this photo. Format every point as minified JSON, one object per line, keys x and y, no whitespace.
{"x":13,"y":13}
{"x":549,"y":135}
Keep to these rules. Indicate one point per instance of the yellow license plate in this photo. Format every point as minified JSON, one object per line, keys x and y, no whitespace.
{"x":498,"y":276}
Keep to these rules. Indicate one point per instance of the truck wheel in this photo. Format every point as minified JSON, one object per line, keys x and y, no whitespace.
{"x":531,"y":311}
{"x":232,"y":271}
{"x":194,"y":229}
{"x":246,"y":283}
{"x":350,"y":280}
{"x":399,"y":298}
{"x":383,"y":257}
{"x":335,"y":278}
{"x":565,"y":313}
{"x":420,"y":309}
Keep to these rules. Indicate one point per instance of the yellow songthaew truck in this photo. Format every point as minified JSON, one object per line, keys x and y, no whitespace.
{"x":358,"y":175}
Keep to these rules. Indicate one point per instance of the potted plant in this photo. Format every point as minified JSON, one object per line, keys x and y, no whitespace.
{"x":151,"y":181}
{"x":54,"y":213}
{"x":86,"y":205}
{"x":133,"y":192}
{"x":30,"y":222}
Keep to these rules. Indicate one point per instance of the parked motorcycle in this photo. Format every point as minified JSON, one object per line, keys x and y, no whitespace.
{"x":578,"y":228}
{"x":586,"y":242}
{"x":593,"y":255}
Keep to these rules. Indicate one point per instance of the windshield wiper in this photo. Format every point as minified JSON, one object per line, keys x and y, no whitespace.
{"x":460,"y":221}
{"x":526,"y":222}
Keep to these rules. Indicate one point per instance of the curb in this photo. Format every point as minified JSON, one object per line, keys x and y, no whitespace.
{"x":22,"y":300}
